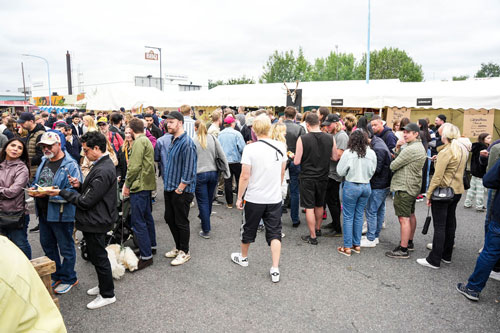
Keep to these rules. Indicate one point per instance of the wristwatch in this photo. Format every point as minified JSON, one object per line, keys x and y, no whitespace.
{"x":179,"y":190}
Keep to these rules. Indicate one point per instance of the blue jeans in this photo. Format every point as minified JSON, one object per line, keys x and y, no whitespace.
{"x":294,"y":171}
{"x":206,"y":182}
{"x":354,"y":199}
{"x":375,"y":212}
{"x":488,"y":211}
{"x":143,"y":223}
{"x":57,"y":241}
{"x":19,"y":237}
{"x":487,"y":259}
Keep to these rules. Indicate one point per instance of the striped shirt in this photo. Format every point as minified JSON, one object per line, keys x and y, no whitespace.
{"x":189,"y":126}
{"x":181,"y":164}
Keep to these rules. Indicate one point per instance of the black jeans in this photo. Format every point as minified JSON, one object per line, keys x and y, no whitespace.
{"x":445,"y":224}
{"x":96,"y":247}
{"x":235,"y":169}
{"x":333,"y":203}
{"x":176,"y":216}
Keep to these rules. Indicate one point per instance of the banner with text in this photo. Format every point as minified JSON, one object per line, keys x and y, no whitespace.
{"x":394,"y":114}
{"x":477,"y":122}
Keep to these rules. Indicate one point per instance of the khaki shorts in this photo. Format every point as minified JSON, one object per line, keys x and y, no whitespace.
{"x":404,"y":204}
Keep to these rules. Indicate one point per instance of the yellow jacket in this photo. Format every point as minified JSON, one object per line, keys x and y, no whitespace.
{"x":449,"y":171}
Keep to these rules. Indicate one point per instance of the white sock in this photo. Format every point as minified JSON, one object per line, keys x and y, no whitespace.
{"x":275,"y":269}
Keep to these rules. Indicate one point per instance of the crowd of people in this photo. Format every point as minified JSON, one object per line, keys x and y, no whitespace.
{"x":79,"y":168}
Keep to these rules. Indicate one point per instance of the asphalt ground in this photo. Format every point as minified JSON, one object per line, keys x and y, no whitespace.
{"x":320,"y":290}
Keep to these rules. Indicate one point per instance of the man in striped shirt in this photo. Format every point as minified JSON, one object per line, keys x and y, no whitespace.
{"x":188,"y":121}
{"x":179,"y":179}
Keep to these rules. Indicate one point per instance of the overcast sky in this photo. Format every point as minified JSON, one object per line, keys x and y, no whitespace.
{"x":221,"y":39}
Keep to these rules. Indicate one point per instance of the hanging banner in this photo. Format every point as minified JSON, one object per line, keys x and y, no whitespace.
{"x":397,"y":114}
{"x":477,"y":122}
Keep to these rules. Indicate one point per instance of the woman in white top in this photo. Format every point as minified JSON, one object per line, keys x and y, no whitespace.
{"x":357,"y":164}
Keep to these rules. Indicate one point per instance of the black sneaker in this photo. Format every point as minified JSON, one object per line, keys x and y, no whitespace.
{"x":398,"y":253}
{"x":411,"y":247}
{"x":308,"y":239}
{"x":296,"y":224}
{"x":35,"y":229}
{"x":328,"y":226}
{"x":333,"y":233}
{"x":318,"y":233}
{"x":469,"y":293}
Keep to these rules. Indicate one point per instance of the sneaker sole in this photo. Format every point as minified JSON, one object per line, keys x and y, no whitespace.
{"x":396,"y":257}
{"x":239,"y":263}
{"x":68,"y":289}
{"x":469,"y":297}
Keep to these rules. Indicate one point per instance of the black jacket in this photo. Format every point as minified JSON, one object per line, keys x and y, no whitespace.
{"x":95,"y":201}
{"x":155,"y":131}
{"x":247,"y":133}
{"x":477,"y":169}
{"x":293,"y":133}
{"x":382,"y":177}
{"x":491,"y":180}
{"x":77,"y":130}
{"x":74,"y":149}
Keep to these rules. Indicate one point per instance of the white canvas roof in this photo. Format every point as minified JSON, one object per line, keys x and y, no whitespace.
{"x":482,"y":93}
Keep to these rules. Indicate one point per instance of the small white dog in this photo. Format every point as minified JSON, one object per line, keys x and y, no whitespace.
{"x":121,"y":258}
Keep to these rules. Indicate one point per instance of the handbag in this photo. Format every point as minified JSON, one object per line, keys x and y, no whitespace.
{"x":466,"y":180}
{"x":219,"y":162}
{"x":427,"y":222}
{"x":446,"y":194}
{"x":12,"y":220}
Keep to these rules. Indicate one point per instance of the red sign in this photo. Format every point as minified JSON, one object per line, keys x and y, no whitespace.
{"x":151,"y":55}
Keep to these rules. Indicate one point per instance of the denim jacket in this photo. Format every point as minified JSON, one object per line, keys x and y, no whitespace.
{"x":59,"y":210}
{"x":232,"y":143}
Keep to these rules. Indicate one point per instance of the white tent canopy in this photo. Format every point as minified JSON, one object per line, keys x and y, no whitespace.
{"x":477,"y":93}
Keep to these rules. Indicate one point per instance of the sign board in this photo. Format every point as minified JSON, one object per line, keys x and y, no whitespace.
{"x":397,"y":114}
{"x":337,"y":102}
{"x":151,"y":55}
{"x":424,"y":101}
{"x":297,"y":101}
{"x":477,"y":122}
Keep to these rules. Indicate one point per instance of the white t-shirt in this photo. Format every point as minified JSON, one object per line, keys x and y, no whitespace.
{"x":264,"y":185}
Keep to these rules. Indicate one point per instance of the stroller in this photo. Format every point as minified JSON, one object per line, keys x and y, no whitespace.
{"x":121,"y":232}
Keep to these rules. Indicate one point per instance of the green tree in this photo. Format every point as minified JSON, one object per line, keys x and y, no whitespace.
{"x":213,"y":84}
{"x":390,"y":63}
{"x":460,"y":78}
{"x":488,"y":70}
{"x":240,"y":80}
{"x":334,"y":67}
{"x":285,"y":67}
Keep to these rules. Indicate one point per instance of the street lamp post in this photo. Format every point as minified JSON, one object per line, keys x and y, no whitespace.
{"x":368,"y":46}
{"x":48,"y":73}
{"x":159,"y":49}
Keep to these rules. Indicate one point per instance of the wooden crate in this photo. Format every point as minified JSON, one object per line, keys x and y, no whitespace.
{"x":44,"y":267}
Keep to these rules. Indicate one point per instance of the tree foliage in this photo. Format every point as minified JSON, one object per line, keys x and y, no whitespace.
{"x":488,"y":70}
{"x":283,"y":66}
{"x":239,"y":80}
{"x":460,"y":78}
{"x":390,"y":63}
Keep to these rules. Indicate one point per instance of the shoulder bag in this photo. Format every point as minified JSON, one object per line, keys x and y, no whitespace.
{"x":219,"y":162}
{"x":446,"y":193}
{"x":12,"y":220}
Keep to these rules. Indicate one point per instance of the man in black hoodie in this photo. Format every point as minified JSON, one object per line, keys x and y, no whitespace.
{"x":384,"y":132}
{"x":95,"y":212}
{"x":380,"y":183}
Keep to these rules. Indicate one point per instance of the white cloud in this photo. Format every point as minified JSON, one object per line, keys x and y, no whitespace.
{"x":222,"y":39}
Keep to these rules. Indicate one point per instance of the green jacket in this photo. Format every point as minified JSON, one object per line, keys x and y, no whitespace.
{"x":141,"y":168}
{"x":407,"y":168}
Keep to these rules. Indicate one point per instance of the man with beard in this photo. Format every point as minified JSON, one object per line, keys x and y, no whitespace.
{"x":56,"y":215}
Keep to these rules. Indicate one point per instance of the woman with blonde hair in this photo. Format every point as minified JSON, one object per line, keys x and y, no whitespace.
{"x":89,"y":124}
{"x":448,"y":172}
{"x":208,"y":150}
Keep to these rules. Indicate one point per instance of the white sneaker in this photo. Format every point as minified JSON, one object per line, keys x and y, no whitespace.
{"x":181,"y":258}
{"x":100,"y":301}
{"x":172,"y":254}
{"x":429,"y":246}
{"x":238,"y":259}
{"x":93,"y":291}
{"x":365,"y":242}
{"x":495,"y":275}
{"x":275,"y":274}
{"x":424,"y":262}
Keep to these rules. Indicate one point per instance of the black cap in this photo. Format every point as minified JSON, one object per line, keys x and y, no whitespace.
{"x":412,"y":127}
{"x":442,"y":117}
{"x":175,"y":115}
{"x":331,"y":118}
{"x":25,"y":116}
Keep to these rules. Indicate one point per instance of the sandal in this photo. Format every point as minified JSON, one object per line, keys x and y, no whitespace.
{"x":344,"y":250}
{"x":356,"y":249}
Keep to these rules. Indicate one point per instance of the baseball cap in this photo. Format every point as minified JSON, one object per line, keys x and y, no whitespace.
{"x":331,"y":118}
{"x":25,"y":116}
{"x":229,"y":120}
{"x":175,"y":115}
{"x":102,"y":120}
{"x":442,"y":117}
{"x":49,"y":138}
{"x":412,"y":127}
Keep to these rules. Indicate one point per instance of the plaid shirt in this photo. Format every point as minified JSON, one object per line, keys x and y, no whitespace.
{"x":407,"y":168}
